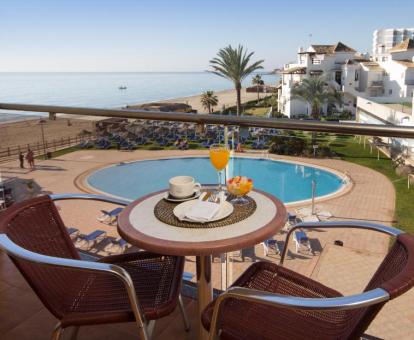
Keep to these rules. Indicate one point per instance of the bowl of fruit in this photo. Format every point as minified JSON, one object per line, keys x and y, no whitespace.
{"x":239,"y":186}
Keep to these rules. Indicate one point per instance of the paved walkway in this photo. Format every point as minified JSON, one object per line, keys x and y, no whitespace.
{"x":345,"y":268}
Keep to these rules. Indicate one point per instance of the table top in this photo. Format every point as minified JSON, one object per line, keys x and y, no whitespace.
{"x":138,"y":225}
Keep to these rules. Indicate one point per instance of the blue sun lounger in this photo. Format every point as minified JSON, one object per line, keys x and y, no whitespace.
{"x":110,"y":217}
{"x":301,"y":241}
{"x":86,"y":242}
{"x":73,"y":233}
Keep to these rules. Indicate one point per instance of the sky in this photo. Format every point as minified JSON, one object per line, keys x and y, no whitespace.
{"x":181,"y":35}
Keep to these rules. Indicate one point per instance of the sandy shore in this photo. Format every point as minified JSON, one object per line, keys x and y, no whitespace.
{"x":28,"y":131}
{"x":227,"y":98}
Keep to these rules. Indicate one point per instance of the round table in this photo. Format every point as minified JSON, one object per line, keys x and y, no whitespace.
{"x":138,"y":225}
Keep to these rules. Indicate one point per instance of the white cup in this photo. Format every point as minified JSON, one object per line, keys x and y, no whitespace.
{"x":183,"y":186}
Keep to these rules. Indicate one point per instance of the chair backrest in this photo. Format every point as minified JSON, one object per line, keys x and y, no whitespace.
{"x":395,"y":275}
{"x":36,"y":225}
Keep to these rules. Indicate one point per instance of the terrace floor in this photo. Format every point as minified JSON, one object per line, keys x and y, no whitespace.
{"x":346,"y":268}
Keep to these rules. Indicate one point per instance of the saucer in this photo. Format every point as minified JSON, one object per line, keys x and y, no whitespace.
{"x":170,"y":198}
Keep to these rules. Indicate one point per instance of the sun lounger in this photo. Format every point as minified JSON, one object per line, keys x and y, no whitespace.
{"x":73,"y":233}
{"x":310,"y":219}
{"x":110,"y":217}
{"x":270,"y":244}
{"x":86,"y":242}
{"x":324,"y":215}
{"x":305,"y":211}
{"x":187,"y":276}
{"x":116,"y":246}
{"x":301,"y":241}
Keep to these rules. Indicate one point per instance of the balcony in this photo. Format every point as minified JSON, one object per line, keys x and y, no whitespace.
{"x":365,"y":194}
{"x":377,"y":83}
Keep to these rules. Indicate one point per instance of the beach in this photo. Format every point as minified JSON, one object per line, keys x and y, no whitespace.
{"x":28,"y":131}
{"x":226,"y":97}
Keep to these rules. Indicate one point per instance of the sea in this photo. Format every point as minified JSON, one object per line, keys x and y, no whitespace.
{"x":101,"y":90}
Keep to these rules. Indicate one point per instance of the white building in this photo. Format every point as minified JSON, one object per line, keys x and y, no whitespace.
{"x":392,"y":78}
{"x":317,"y":60}
{"x":389,"y":80}
{"x":385,"y":39}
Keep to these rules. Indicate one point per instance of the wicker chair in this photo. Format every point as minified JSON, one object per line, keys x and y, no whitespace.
{"x":136,"y":287}
{"x":269,"y":301}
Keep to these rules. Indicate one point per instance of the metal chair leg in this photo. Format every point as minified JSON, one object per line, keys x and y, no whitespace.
{"x":150,"y":328}
{"x":57,"y":332}
{"x":183,"y":313}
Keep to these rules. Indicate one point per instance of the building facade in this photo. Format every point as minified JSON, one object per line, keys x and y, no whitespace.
{"x":391,"y":78}
{"x":318,"y":60}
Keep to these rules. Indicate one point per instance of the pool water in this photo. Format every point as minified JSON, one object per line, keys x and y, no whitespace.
{"x":289,"y":182}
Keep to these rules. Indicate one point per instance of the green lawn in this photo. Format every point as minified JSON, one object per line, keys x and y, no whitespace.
{"x":349,"y":150}
{"x":257,"y":111}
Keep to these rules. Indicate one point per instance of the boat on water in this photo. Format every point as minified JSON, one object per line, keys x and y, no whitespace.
{"x":123,"y":87}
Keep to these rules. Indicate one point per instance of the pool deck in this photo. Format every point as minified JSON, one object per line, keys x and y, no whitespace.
{"x":371,"y":197}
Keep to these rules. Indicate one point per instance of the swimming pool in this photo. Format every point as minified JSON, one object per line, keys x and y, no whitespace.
{"x":288,"y":181}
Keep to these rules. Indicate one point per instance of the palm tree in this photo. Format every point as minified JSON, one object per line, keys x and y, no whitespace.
{"x":209,"y":100}
{"x":316,"y":93}
{"x":258,"y":81}
{"x":233,"y":64}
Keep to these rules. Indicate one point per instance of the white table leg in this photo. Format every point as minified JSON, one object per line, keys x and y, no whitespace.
{"x":204,"y":290}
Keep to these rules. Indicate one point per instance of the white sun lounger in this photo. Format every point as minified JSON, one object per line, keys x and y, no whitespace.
{"x":301,"y":241}
{"x":270,"y":244}
{"x":110,"y":217}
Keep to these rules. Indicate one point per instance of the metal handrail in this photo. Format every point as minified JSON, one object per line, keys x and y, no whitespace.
{"x":102,"y":198}
{"x":243,"y":121}
{"x":16,"y":251}
{"x":339,"y":224}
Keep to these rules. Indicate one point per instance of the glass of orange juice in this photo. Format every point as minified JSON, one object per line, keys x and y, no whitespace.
{"x":219,"y":158}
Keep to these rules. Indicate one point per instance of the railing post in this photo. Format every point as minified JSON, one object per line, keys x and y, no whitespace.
{"x":313,"y":196}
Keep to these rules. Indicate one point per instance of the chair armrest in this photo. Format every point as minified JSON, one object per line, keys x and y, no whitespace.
{"x":15,"y":250}
{"x":339,"y":224}
{"x":365,"y":299}
{"x":76,"y":196}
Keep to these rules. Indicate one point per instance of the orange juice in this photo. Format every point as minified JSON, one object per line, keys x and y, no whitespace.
{"x":219,"y":158}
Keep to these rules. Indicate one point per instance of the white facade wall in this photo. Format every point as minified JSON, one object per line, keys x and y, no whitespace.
{"x":399,"y":80}
{"x":384,"y":112}
{"x":329,"y":64}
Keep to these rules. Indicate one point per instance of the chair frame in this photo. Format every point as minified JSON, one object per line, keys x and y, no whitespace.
{"x":145,"y":327}
{"x":365,"y":299}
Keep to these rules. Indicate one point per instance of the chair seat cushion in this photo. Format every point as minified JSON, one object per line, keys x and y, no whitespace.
{"x":103,"y":298}
{"x":247,"y":320}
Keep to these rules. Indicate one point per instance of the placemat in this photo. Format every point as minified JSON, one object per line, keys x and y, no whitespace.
{"x":163,"y":210}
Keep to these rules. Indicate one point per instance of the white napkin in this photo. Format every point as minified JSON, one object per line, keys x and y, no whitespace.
{"x":202,"y":211}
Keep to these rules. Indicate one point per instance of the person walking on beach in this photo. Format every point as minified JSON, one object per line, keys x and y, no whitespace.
{"x":30,"y":159}
{"x":21,"y":160}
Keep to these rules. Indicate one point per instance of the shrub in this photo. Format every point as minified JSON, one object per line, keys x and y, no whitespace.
{"x":288,"y":145}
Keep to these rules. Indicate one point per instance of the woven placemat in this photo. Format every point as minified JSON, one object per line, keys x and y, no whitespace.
{"x":163,"y":210}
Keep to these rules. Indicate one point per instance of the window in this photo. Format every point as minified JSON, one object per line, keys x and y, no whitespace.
{"x":356,"y":75}
{"x":390,"y":92}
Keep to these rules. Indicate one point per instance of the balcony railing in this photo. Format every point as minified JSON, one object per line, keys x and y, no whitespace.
{"x":228,"y":120}
{"x":377,"y":83}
